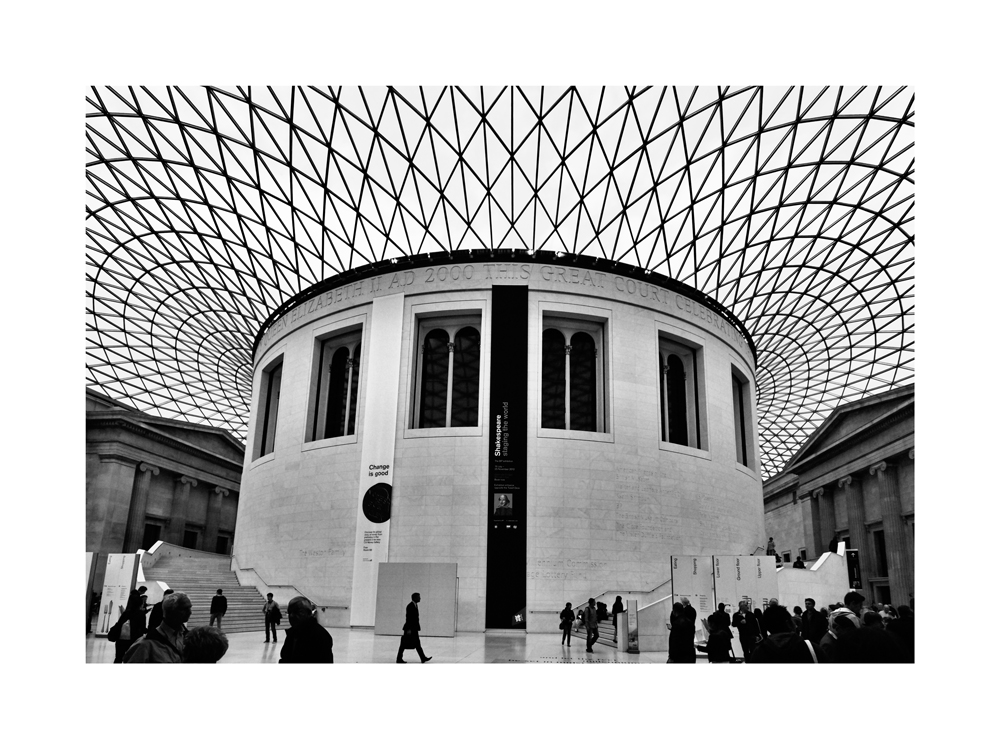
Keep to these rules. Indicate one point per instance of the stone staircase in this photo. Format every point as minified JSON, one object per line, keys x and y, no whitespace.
{"x":200,"y":577}
{"x":605,"y":633}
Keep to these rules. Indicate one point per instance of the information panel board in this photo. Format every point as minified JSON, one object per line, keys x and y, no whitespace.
{"x":725,"y":582}
{"x":371,"y":540}
{"x":693,"y":578}
{"x":119,"y":579}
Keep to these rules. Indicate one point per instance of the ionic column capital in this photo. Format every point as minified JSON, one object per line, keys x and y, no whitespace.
{"x":222,"y":490}
{"x":144,"y":467}
{"x":187,"y":480}
{"x":910,"y":454}
{"x":817,"y":493}
{"x":878,"y":468}
{"x":845,"y":481}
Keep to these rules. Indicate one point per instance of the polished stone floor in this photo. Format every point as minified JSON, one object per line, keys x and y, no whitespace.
{"x":364,"y":646}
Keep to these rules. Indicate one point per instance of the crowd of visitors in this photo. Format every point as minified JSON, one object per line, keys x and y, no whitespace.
{"x":844,"y":632}
{"x":167,"y":639}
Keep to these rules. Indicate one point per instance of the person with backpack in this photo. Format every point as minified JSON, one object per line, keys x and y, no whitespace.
{"x":272,"y":617}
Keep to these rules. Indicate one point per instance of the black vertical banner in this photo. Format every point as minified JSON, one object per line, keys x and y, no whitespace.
{"x":854,"y":569}
{"x":507,"y":422}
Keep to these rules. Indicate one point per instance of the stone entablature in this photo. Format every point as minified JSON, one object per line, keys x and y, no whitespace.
{"x":581,"y":278}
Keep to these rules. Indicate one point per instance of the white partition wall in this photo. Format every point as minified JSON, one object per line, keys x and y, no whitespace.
{"x":437,"y":584}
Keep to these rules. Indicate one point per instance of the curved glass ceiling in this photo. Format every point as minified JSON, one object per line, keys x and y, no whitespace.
{"x":208,"y":207}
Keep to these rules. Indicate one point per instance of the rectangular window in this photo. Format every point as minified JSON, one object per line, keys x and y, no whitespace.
{"x":190,"y":538}
{"x":335,"y":386}
{"x":573,"y":374}
{"x":742,"y":418}
{"x":680,"y":393}
{"x":150,"y":535}
{"x":448,"y":359}
{"x":222,"y":544}
{"x":267,"y":409}
{"x":881,"y":561}
{"x":802,"y":554}
{"x":786,"y":556}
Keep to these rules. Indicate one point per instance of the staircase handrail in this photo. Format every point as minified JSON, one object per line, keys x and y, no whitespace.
{"x":281,"y":586}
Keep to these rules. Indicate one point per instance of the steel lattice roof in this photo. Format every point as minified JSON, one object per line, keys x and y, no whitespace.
{"x":209,"y":207}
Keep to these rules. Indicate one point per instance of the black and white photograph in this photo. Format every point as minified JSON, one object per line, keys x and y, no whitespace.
{"x":535,"y":354}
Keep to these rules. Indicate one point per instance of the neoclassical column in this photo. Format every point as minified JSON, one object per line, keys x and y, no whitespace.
{"x":178,"y":509}
{"x":828,"y":518}
{"x":212,"y":518}
{"x":856,"y":525}
{"x":144,"y":473}
{"x":819,"y":542}
{"x":900,"y":576}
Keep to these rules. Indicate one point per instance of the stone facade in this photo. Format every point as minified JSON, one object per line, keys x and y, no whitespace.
{"x":605,"y":509}
{"x":853,"y":480}
{"x":150,"y":478}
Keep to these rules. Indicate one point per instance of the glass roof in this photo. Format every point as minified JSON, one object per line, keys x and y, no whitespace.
{"x":207,"y":207}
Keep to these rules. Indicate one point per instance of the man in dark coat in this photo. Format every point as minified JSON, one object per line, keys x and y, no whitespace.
{"x":617,"y":608}
{"x":590,"y":620}
{"x":411,"y":629}
{"x":135,"y":616}
{"x":218,"y":608}
{"x":784,"y":645}
{"x":156,"y":613}
{"x":720,"y":636}
{"x":902,"y":630}
{"x":813,"y":623}
{"x":306,"y":641}
{"x":681,"y":641}
{"x":748,"y":628}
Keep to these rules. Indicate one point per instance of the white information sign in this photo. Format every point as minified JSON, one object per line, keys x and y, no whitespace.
{"x":371,"y":541}
{"x":119,"y":579}
{"x":693,"y":578}
{"x":725,"y":583}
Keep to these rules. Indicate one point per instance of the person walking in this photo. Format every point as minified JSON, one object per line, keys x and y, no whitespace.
{"x":748,"y":629}
{"x":566,"y":619}
{"x":272,"y":616}
{"x":411,"y":632}
{"x":617,"y":608}
{"x":590,"y":621}
{"x":306,"y":640}
{"x":218,"y":608}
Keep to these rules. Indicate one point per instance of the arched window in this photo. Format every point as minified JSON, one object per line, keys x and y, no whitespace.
{"x":742,"y":416}
{"x":676,"y":380}
{"x":680,"y":409}
{"x":336,"y":385}
{"x":572,"y":394}
{"x":553,"y":379}
{"x":434,"y":380}
{"x":465,"y":379}
{"x":267,"y":409}
{"x":448,"y":363}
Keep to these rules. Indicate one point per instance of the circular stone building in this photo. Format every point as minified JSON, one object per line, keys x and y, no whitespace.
{"x":557,"y":426}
